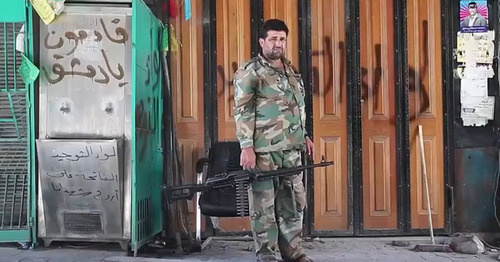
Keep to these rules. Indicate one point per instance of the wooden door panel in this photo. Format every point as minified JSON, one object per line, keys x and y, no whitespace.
{"x":379,"y":176}
{"x":330,"y":114}
{"x":286,"y":10}
{"x":378,"y":115}
{"x":329,"y":195}
{"x":424,"y":58}
{"x":187,"y":93}
{"x":233,"y":48}
{"x":431,"y":159}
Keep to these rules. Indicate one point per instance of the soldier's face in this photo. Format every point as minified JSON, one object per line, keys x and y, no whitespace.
{"x":273,"y":46}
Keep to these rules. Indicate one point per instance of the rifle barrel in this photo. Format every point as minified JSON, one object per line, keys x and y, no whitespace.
{"x":288,"y":171}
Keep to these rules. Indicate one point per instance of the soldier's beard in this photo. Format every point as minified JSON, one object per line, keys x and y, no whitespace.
{"x":275,"y":54}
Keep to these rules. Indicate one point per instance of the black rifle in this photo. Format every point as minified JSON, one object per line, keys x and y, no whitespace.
{"x":241,"y":179}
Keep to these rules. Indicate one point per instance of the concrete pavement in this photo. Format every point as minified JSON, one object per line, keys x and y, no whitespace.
{"x":324,"y":249}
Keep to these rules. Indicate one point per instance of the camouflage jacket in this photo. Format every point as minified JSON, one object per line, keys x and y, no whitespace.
{"x":269,"y":106}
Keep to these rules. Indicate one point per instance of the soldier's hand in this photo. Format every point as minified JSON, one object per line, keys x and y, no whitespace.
{"x":309,"y":147}
{"x":247,"y":158}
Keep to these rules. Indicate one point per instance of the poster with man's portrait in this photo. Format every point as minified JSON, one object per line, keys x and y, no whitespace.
{"x":473,"y":16}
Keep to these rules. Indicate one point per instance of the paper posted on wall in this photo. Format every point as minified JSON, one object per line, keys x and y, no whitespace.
{"x":478,"y":108}
{"x":474,"y":83}
{"x":473,"y":88}
{"x":474,"y":121}
{"x":473,"y":16}
{"x":475,"y":48}
{"x":474,"y":53}
{"x":480,"y":72}
{"x":485,"y":69}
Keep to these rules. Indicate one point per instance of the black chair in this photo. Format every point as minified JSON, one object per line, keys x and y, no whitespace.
{"x":224,"y":201}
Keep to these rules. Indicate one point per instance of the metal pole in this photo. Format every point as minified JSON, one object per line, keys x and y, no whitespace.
{"x":198,"y":210}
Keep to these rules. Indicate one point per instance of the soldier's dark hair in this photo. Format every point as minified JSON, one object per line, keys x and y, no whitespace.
{"x":472,"y":5}
{"x":272,"y":24}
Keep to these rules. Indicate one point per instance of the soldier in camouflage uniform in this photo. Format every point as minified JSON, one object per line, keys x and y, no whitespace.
{"x":270,"y":122}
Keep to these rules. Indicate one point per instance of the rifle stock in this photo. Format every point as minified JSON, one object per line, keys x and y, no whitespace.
{"x":174,"y":193}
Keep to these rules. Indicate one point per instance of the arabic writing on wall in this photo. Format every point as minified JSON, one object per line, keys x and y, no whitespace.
{"x":87,"y":170}
{"x":371,"y":82}
{"x":148,"y":100}
{"x":89,"y":151}
{"x":85,"y":193}
{"x":89,"y":45}
{"x":88,"y":176}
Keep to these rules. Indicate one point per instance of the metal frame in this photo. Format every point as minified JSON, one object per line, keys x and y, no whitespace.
{"x":305,"y":62}
{"x":403,"y":115}
{"x":494,"y":6}
{"x":257,"y":14}
{"x":210,"y":72}
{"x":210,"y":80}
{"x":34,"y":121}
{"x":167,"y":119}
{"x":449,"y":134}
{"x":22,"y":13}
{"x":355,"y":134}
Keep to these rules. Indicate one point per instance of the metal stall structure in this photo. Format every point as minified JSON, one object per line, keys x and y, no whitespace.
{"x":17,"y":187}
{"x":99,"y":151}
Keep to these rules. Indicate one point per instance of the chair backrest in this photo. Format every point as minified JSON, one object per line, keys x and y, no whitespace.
{"x":224,"y":157}
{"x":222,"y":202}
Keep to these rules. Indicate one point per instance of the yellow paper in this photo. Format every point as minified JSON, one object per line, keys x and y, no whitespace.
{"x":44,"y":10}
{"x":174,"y":43}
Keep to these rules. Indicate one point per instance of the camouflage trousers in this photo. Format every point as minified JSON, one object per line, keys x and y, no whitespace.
{"x":276,"y":207}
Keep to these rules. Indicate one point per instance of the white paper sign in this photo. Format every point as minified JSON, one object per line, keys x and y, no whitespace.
{"x":476,"y":72}
{"x":473,"y":88}
{"x":474,"y":107}
{"x":477,"y":121}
